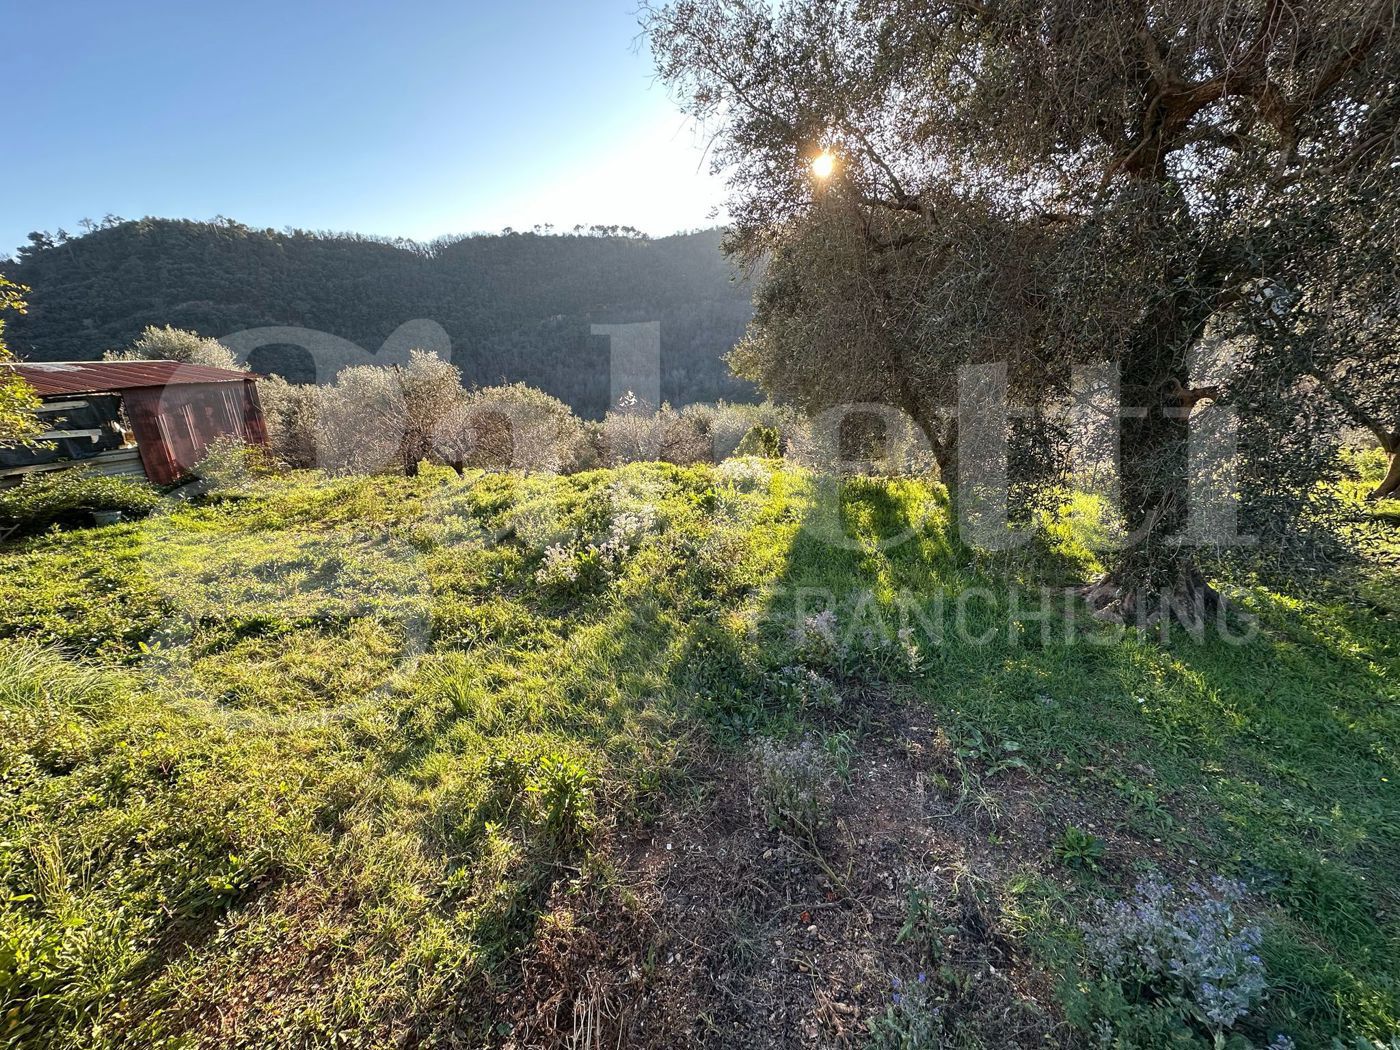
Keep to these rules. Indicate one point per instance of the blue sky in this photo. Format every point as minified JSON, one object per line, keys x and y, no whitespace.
{"x":415,"y":118}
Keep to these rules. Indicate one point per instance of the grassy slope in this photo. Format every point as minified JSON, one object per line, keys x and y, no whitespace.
{"x":314,"y":758}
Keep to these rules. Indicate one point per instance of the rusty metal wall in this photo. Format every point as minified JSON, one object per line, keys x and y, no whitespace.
{"x":175,"y":424}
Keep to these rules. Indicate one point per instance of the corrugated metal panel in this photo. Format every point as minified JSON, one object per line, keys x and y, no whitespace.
{"x":123,"y":461}
{"x":175,"y":424}
{"x":82,"y":377}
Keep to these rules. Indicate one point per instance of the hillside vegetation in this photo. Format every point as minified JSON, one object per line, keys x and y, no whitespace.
{"x":513,"y":760}
{"x":516,"y":307}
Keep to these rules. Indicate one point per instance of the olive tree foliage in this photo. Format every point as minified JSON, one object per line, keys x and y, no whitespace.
{"x":292,"y":413}
{"x":1337,"y":322}
{"x":176,"y":344}
{"x":392,"y":418}
{"x":839,"y":321}
{"x":386,"y":418}
{"x":19,"y":421}
{"x":1183,"y":188}
{"x":378,"y":418}
{"x":634,"y":431}
{"x":512,"y":427}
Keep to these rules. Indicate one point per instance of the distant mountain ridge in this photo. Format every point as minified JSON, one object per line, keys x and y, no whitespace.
{"x":516,"y":306}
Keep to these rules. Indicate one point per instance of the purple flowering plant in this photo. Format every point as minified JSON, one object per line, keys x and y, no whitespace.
{"x":911,"y":1020}
{"x":1191,"y":947}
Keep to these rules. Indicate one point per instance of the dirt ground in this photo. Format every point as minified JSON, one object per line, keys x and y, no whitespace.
{"x":719,"y":931}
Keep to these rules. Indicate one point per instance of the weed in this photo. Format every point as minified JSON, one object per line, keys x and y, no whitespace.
{"x":565,"y":789}
{"x":924,"y":921}
{"x":1078,"y":848}
{"x":560,"y":567}
{"x":816,"y":641}
{"x":793,"y":784}
{"x":805,"y":689}
{"x":910,"y":1021}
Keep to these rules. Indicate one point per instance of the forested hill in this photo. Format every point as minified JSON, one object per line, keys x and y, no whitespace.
{"x":517,"y":306}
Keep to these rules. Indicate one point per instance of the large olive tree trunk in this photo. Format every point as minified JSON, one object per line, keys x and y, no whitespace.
{"x":1155,"y":576}
{"x":1390,"y":484}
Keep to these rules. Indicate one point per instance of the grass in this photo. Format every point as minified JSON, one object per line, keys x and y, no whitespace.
{"x":314,"y":761}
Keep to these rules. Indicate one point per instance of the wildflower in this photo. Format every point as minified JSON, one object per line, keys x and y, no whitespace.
{"x":1194,"y":944}
{"x":806,"y":688}
{"x":559,"y":566}
{"x":816,"y":639}
{"x":794,"y":784}
{"x":744,"y":473}
{"x":624,"y":533}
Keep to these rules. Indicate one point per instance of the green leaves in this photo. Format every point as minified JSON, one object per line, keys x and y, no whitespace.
{"x":1078,"y":848}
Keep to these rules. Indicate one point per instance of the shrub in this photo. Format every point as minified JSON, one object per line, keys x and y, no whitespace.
{"x":793,"y":785}
{"x":686,"y":435}
{"x":514,"y":427}
{"x":68,"y":497}
{"x":745,"y":474}
{"x":229,"y":461}
{"x":1188,"y":954}
{"x":632,"y":432}
{"x":731,"y":423}
{"x":176,"y":344}
{"x":760,"y":441}
{"x":292,"y":412}
{"x":378,"y":419}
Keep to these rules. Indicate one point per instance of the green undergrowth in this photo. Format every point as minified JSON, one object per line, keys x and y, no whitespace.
{"x":308,"y":757}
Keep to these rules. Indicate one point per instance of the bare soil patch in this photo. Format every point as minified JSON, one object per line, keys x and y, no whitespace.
{"x":718,"y":931}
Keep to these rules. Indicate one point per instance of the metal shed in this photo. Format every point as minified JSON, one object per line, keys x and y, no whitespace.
{"x":165,"y":412}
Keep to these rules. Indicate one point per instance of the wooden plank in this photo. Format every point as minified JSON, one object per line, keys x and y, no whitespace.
{"x":59,"y":406}
{"x":55,"y":435}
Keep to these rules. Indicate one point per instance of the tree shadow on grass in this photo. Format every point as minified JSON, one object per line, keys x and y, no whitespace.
{"x":1258,"y":743}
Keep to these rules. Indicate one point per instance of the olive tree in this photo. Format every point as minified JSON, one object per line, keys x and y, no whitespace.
{"x":512,"y":427}
{"x":1159,"y":185}
{"x":176,"y":344}
{"x":377,"y":418}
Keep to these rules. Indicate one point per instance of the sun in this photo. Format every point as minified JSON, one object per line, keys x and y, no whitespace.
{"x":823,"y":164}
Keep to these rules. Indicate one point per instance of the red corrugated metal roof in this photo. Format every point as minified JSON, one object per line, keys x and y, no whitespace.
{"x":88,"y":377}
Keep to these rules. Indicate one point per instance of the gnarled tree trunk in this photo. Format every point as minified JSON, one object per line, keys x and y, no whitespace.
{"x":1155,"y":577}
{"x":1390,"y":484}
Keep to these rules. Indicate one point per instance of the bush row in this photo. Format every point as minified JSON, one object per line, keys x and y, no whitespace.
{"x":375,"y":419}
